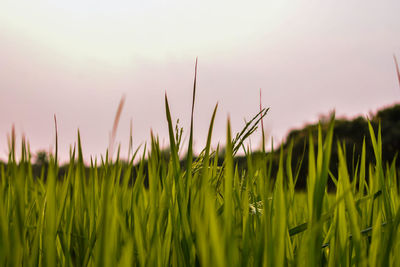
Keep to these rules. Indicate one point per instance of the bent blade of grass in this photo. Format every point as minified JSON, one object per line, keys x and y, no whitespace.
{"x":247,"y":130}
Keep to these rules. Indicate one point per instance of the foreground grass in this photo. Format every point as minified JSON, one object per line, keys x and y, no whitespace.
{"x":200,"y":214}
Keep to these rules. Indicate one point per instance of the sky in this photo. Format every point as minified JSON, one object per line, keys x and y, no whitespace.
{"x":77,"y":58}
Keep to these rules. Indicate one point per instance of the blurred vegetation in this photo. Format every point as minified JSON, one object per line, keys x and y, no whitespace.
{"x":351,"y":132}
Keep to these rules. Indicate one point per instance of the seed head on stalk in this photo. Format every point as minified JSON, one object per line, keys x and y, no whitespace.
{"x":114,"y":128}
{"x":397,"y":68}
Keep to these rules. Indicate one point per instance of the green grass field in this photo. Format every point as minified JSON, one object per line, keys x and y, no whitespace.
{"x":160,"y":213}
{"x":202,"y":213}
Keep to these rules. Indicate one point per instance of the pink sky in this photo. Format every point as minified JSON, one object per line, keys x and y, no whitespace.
{"x":76,"y":59}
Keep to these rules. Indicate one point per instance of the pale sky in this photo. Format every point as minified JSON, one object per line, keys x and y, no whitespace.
{"x":77,"y":58}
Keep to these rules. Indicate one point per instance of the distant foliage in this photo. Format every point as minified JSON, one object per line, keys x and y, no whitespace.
{"x":352,"y":133}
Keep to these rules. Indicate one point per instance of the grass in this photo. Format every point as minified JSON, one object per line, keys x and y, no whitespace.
{"x":203,"y":213}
